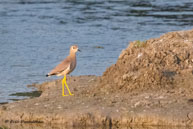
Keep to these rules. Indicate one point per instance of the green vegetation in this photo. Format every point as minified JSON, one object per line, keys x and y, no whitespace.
{"x":28,"y":94}
{"x":139,"y":44}
{"x":3,"y":127}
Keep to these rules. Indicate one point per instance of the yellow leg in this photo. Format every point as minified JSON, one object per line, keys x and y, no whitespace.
{"x":67,"y":85}
{"x":63,"y":81}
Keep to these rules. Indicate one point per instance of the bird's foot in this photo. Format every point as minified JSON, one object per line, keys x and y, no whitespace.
{"x":64,"y":95}
{"x":72,"y":94}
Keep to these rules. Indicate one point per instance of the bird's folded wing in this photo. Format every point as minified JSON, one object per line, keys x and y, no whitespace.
{"x":60,"y":67}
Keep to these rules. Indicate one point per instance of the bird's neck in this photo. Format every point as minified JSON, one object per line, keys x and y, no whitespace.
{"x":72,"y":54}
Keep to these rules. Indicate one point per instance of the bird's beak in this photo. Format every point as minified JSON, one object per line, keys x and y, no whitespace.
{"x":79,"y":50}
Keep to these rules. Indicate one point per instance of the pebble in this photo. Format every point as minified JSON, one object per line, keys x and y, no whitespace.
{"x":36,"y":104}
{"x":137,"y":104}
{"x":59,"y":106}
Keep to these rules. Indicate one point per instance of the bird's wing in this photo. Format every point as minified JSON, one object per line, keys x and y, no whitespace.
{"x":60,"y":67}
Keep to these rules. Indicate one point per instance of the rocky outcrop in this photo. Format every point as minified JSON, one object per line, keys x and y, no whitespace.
{"x":160,"y":63}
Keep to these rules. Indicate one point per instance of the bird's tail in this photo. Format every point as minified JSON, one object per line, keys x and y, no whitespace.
{"x":47,"y":75}
{"x":50,"y":74}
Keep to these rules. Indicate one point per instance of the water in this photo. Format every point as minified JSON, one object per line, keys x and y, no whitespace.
{"x":36,"y":34}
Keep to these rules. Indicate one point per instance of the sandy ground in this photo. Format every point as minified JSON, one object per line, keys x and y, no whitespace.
{"x":88,"y":107}
{"x":138,"y":97}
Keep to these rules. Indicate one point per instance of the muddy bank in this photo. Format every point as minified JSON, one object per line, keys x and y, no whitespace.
{"x":88,"y":108}
{"x":150,"y":84}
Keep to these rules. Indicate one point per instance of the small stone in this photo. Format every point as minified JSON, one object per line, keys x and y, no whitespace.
{"x":190,"y":115}
{"x":161,"y":97}
{"x":137,"y":104}
{"x":147,"y":97}
{"x":36,"y":104}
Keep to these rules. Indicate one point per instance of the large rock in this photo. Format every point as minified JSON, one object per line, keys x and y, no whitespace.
{"x":160,"y":63}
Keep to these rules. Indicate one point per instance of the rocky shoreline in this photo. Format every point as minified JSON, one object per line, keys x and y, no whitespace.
{"x":131,"y":100}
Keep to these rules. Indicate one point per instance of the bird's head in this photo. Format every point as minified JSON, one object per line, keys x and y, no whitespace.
{"x":74,"y":48}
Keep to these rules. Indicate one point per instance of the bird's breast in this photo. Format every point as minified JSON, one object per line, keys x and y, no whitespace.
{"x":73,"y":64}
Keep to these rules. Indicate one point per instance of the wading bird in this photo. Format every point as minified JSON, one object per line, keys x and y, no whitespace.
{"x":66,"y":67}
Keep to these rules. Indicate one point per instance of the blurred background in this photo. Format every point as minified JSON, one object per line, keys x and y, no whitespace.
{"x":35,"y":35}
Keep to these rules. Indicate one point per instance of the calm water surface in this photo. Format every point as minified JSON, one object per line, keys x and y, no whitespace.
{"x":36,"y":34}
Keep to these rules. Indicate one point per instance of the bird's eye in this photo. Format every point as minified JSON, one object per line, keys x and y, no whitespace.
{"x":74,"y":47}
